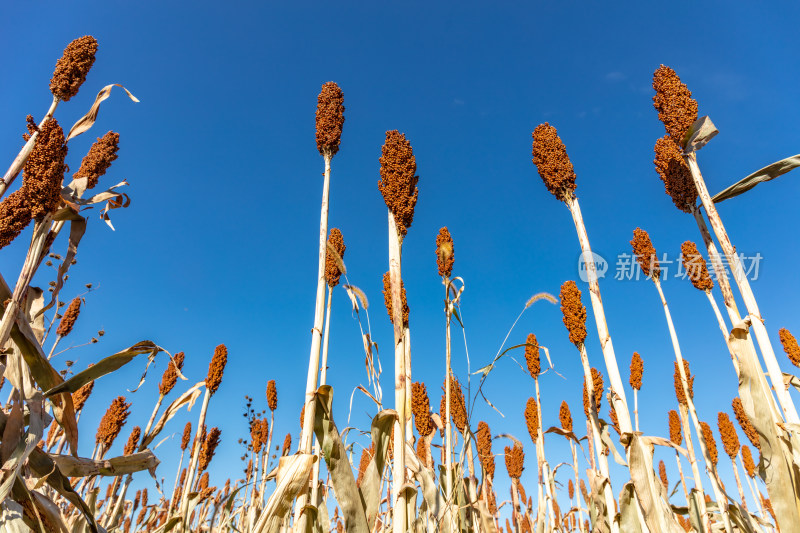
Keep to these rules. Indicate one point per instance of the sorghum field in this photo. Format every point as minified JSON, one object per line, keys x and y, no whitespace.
{"x":426,"y":462}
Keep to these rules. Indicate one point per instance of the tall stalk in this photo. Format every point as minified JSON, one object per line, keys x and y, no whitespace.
{"x":399,"y":469}
{"x":614,"y":377}
{"x":739,"y":276}
{"x":722,"y":500}
{"x":213,"y":380}
{"x":448,"y":454}
{"x":398,"y":185}
{"x":445,"y":258}
{"x":329,"y":122}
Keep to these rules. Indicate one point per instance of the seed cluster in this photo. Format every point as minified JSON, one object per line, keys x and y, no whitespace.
{"x":612,"y":414}
{"x":458,"y":407}
{"x":216,"y":367}
{"x":287,"y":444}
{"x":330,"y":119}
{"x":695,"y":267}
{"x":662,"y":473}
{"x":15,"y":215}
{"x":366,"y":457}
{"x":532,"y":356}
{"x":69,"y":318}
{"x":170,"y":376}
{"x":112,"y":422}
{"x":421,"y":407}
{"x":95,"y":164}
{"x":552,"y":162}
{"x":747,"y":459}
{"x":637,"y":368}
{"x":44,"y":170}
{"x":398,"y":183}
{"x":259,"y":434}
{"x":674,"y":103}
{"x":387,"y":298}
{"x":597,"y":385}
{"x":133,"y":441}
{"x":790,"y":346}
{"x":645,"y":254}
{"x":72,"y":68}
{"x":745,"y":423}
{"x":332,"y":269}
{"x":81,"y":395}
{"x":574,"y":313}
{"x":678,"y":382}
{"x":675,"y":435}
{"x":423,"y":452}
{"x":444,"y":252}
{"x":565,"y":417}
{"x":730,"y":440}
{"x":187,"y":435}
{"x":515,"y":461}
{"x":208,"y":448}
{"x":483,"y":441}
{"x":711,"y":444}
{"x":272,"y":395}
{"x":675,"y":173}
{"x":532,"y":418}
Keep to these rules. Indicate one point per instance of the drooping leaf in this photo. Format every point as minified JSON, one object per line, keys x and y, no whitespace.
{"x":781,"y":478}
{"x":657,"y":513}
{"x":108,"y":365}
{"x":628,"y":517}
{"x":42,"y":371}
{"x":77,"y":228}
{"x":88,"y":120}
{"x":370,"y":488}
{"x":45,"y":468}
{"x":189,"y":397}
{"x":116,"y":466}
{"x":292,"y":477}
{"x":699,"y":133}
{"x":769,"y":172}
{"x":335,"y":455}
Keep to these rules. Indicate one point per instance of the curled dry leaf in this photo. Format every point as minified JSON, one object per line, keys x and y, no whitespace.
{"x":88,"y":120}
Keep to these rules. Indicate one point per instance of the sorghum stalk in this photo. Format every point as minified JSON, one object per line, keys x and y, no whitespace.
{"x":637,"y":367}
{"x":322,"y":381}
{"x":213,"y":379}
{"x":646,"y":256}
{"x":19,"y":161}
{"x":615,"y":379}
{"x":68,"y":76}
{"x":551,"y":159}
{"x":565,"y":417}
{"x":677,"y":438}
{"x":444,"y":261}
{"x":759,"y":330}
{"x":730,"y":303}
{"x":602,"y":461}
{"x":712,"y":471}
{"x":750,"y":469}
{"x":678,"y":111}
{"x":398,"y":187}
{"x":329,"y":122}
{"x":730,"y":442}
{"x":574,"y":318}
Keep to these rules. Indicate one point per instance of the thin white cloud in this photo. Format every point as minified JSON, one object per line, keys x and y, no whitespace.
{"x":615,"y":76}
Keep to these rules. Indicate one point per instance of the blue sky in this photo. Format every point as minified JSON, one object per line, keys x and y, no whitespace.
{"x":219,"y":243}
